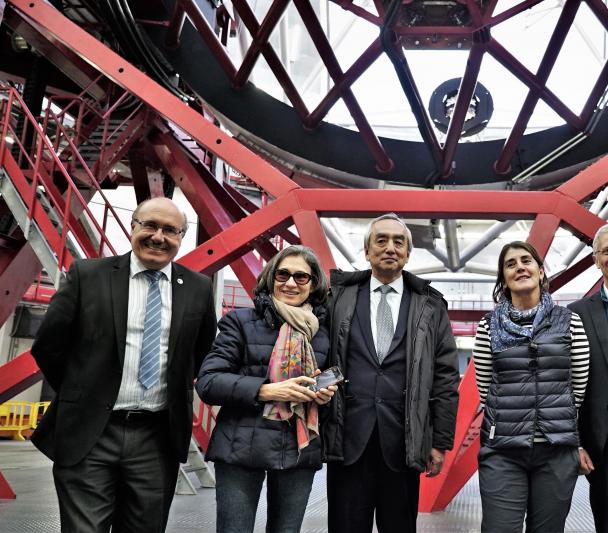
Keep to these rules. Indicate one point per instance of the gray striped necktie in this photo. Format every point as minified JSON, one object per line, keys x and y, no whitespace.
{"x":384,"y":324}
{"x":149,"y":362}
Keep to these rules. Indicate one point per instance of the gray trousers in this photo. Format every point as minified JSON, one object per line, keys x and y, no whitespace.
{"x":533,"y":482}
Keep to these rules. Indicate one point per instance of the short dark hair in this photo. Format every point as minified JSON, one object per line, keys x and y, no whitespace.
{"x":501,"y":289}
{"x":319,"y":288}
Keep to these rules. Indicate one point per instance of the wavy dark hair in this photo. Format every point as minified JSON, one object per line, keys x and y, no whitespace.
{"x":501,"y":288}
{"x":319,"y":287}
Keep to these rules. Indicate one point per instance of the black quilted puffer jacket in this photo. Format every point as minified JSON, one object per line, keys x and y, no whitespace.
{"x":231,"y":376}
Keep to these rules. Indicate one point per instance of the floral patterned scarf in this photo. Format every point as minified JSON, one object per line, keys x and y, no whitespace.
{"x":293,"y":356}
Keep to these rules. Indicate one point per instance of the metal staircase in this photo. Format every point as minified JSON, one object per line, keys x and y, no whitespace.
{"x":46,"y":185}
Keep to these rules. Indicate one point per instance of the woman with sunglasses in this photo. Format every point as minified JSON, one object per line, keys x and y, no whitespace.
{"x":531,"y":363}
{"x":259,"y":370}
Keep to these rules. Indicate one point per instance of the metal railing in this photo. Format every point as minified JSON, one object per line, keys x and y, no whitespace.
{"x":41,"y":169}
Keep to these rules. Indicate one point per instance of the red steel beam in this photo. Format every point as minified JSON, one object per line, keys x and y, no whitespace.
{"x":437,"y":492}
{"x":556,"y":42}
{"x":600,"y":10}
{"x":542,"y":233}
{"x":19,"y":268}
{"x":463,"y":102}
{"x":363,"y":62}
{"x":250,"y":207}
{"x":504,"y":205}
{"x":513,"y":65}
{"x":57,"y":28}
{"x":251,"y":23}
{"x":312,"y":235}
{"x":596,"y":93}
{"x":587,"y":182}
{"x":513,"y":11}
{"x":145,"y":186}
{"x":561,"y":279}
{"x":260,"y":34}
{"x":323,"y":46}
{"x":18,"y":375}
{"x":6,"y":493}
{"x":211,"y":213}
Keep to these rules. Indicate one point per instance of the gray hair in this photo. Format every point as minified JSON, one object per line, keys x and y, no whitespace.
{"x":388,"y":216}
{"x":138,"y":208}
{"x":596,"y":239}
{"x":319,"y":286}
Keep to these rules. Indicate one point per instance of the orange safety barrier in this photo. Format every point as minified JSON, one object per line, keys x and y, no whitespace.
{"x":203,"y":424}
{"x":17,"y":417}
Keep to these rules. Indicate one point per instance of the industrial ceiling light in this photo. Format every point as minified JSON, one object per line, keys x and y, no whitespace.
{"x":443,"y":101}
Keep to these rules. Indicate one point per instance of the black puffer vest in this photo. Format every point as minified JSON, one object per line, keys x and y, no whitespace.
{"x":532,"y":388}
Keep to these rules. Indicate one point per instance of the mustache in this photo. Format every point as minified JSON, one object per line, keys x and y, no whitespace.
{"x":157,"y":246}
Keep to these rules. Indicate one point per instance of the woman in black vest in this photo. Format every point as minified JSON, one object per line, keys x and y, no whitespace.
{"x":259,"y":370}
{"x":531,"y":363}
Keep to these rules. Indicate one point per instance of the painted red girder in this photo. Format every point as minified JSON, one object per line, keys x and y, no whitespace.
{"x":460,"y":462}
{"x":18,"y":267}
{"x":478,"y":33}
{"x":556,"y":42}
{"x":505,"y":205}
{"x":18,"y":375}
{"x":293,"y":205}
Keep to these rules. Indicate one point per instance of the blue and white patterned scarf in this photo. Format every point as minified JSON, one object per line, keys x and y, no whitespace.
{"x":505,"y":322}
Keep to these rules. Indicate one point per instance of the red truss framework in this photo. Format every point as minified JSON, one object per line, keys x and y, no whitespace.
{"x":395,"y":39}
{"x":236,"y":228}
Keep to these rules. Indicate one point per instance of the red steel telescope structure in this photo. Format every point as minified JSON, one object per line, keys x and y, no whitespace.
{"x":97,"y":94}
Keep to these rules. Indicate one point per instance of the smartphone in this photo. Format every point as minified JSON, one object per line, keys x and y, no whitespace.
{"x":331,"y":376}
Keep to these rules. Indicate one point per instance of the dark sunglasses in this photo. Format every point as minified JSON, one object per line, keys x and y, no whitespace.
{"x":282,"y":275}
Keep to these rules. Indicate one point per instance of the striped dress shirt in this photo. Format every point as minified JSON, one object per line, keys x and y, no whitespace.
{"x":132,"y":395}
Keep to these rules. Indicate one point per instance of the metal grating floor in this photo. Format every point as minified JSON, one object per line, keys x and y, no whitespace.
{"x":35,"y":509}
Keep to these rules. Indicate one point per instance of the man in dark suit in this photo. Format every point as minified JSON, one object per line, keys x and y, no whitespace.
{"x":120,"y":344}
{"x":593,"y":414}
{"x":396,"y":416}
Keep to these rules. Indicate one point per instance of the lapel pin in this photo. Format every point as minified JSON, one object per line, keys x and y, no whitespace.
{"x":180,"y":281}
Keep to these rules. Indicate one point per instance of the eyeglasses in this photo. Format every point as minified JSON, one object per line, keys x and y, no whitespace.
{"x":282,"y":275}
{"x":153,"y":227}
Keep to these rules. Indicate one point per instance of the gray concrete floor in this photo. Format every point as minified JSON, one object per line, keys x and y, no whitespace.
{"x":35,"y":509}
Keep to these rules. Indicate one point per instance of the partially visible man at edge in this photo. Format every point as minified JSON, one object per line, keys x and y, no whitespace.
{"x":392,"y":338}
{"x":593,"y":415}
{"x":120,"y":344}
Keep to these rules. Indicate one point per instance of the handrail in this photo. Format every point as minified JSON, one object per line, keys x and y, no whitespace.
{"x":93,"y":181}
{"x":43,"y":145}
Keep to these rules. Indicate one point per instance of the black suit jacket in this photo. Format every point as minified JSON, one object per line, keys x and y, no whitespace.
{"x":593,"y":415}
{"x":375,"y":391}
{"x":80,"y":348}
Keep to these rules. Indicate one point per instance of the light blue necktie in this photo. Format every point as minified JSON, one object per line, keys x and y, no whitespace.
{"x":149,"y":362}
{"x":384,"y":324}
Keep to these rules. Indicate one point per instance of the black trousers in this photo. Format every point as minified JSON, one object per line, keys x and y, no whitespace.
{"x":126,"y":482}
{"x":598,"y":493}
{"x":356,"y":491}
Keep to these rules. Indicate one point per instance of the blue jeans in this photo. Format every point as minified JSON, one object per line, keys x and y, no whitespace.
{"x":237,"y":494}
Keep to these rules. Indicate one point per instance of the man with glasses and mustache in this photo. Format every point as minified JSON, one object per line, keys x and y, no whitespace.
{"x":120,"y":344}
{"x":593,"y":415}
{"x":391,"y":337}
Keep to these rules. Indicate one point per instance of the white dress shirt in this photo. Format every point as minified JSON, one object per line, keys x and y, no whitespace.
{"x":393,"y":299}
{"x":132,"y":394}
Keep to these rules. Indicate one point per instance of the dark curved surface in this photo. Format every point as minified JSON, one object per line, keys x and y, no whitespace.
{"x":342,"y":150}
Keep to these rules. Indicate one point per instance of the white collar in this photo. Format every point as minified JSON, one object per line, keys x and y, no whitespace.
{"x":136,"y":267}
{"x":396,"y":284}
